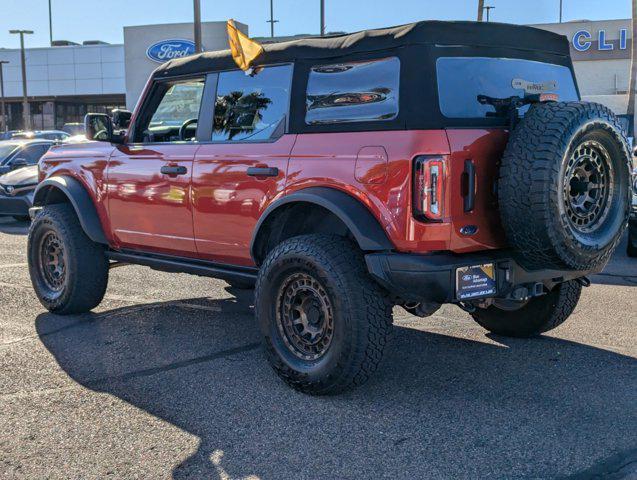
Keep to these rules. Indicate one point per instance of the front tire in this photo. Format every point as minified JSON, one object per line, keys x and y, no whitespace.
{"x":68,"y":271}
{"x":324,"y":321}
{"x":538,"y":315}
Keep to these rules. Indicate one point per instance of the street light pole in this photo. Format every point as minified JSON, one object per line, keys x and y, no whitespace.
{"x":272,"y":21}
{"x":488,"y":9}
{"x":197,"y":11}
{"x":322,"y":18}
{"x":3,"y":111}
{"x":560,"y":11}
{"x":25,"y":99}
{"x":50,"y":24}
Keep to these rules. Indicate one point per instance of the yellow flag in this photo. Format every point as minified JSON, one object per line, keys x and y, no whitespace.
{"x":244,"y":51}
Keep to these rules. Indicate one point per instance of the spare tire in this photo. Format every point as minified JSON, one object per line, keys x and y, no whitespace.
{"x":563,"y":187}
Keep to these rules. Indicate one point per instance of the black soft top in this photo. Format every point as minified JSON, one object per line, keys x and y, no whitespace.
{"x":452,"y":34}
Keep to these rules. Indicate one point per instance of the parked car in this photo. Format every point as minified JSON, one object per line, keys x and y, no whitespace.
{"x":19,"y":175}
{"x":631,"y":250}
{"x":431,"y":163}
{"x":74,"y":128}
{"x":44,"y":134}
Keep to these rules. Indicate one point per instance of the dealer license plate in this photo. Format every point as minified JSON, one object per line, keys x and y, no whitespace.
{"x":476,"y":281}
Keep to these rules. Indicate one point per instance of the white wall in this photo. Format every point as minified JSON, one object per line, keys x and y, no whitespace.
{"x":60,"y":71}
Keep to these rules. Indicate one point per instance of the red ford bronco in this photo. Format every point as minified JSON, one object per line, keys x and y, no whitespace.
{"x":430,"y":163}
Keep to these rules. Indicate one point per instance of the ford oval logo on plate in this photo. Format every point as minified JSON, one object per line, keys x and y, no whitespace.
{"x":170,"y":49}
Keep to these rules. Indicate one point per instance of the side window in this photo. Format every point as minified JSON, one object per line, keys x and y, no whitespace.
{"x":353,"y":92}
{"x":252,"y":108}
{"x":33,"y":153}
{"x":175,"y":113}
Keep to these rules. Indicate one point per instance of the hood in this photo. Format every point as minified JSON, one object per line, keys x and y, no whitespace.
{"x":20,"y":176}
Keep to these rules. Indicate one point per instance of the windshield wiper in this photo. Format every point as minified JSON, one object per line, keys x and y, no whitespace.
{"x":508,"y":107}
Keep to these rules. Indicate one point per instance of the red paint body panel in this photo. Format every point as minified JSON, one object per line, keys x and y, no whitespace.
{"x":150,"y":210}
{"x":227,"y":202}
{"x":211,"y":212}
{"x":86,"y":162}
{"x":484,"y":148}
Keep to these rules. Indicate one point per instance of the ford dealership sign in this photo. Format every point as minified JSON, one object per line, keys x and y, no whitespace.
{"x":165,"y":50}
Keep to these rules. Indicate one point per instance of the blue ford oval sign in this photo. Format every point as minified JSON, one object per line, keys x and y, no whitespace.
{"x":165,"y":50}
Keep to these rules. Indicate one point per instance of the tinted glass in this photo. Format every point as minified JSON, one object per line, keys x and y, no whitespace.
{"x":33,"y":153}
{"x":252,"y":107}
{"x":180,"y":103}
{"x":462,"y":79}
{"x":353,"y":92}
{"x":6,"y":151}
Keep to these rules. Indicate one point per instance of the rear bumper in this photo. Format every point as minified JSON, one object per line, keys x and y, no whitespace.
{"x":432,"y":278}
{"x":18,"y":205}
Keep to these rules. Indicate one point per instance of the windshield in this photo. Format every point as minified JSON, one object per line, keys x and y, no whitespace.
{"x":462,"y":79}
{"x":6,"y":150}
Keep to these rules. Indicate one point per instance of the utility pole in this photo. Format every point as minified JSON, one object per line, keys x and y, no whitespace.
{"x":480,"y":9}
{"x":322,"y":18}
{"x":488,"y":9}
{"x":560,"y":11}
{"x":197,"y":21}
{"x":50,"y":24}
{"x":632,"y":83}
{"x":272,"y":21}
{"x":3,"y":112}
{"x":26,"y":114}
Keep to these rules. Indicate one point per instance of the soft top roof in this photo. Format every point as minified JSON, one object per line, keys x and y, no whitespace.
{"x":474,"y":34}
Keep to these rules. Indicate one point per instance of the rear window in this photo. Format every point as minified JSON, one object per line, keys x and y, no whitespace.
{"x":462,"y":79}
{"x":353,"y":92}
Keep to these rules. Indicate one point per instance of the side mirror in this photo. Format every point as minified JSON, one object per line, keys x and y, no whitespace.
{"x":121,"y":118}
{"x":98,"y":127}
{"x":18,"y":163}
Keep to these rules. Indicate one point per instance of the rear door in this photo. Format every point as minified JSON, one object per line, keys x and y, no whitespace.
{"x":149,"y":197}
{"x":242,"y":165}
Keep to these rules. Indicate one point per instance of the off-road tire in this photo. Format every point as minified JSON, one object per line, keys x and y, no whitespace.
{"x":533,"y":178}
{"x":86,"y":266}
{"x":539,"y":315}
{"x":362,"y":313}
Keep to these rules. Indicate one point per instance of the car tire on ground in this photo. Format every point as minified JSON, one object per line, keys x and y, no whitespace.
{"x":538,"y":315}
{"x":563,"y":188}
{"x":324,"y":321}
{"x":68,"y":271}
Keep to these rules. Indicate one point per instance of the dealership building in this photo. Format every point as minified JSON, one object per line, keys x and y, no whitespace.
{"x":65,"y":82}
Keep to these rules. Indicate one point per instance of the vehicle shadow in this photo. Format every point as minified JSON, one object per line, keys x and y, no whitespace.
{"x":621,"y":269}
{"x":11,"y":226}
{"x":439,"y":407}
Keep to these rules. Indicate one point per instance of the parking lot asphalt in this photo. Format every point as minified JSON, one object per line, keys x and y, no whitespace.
{"x":166,"y":379}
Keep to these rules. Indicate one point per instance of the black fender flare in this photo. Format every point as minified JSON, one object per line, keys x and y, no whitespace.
{"x":79,"y":198}
{"x":365,"y":228}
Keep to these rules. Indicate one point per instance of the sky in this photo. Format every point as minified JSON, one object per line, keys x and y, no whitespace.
{"x":79,"y":20}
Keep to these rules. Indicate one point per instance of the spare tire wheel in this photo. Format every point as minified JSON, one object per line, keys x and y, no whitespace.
{"x":563,"y":188}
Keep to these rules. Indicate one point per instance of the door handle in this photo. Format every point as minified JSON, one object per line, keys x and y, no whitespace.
{"x":263,"y":171}
{"x":174,"y":170}
{"x":469,"y":185}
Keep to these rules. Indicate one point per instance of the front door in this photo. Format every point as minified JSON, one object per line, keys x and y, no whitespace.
{"x":243,"y":166}
{"x":149,"y":180}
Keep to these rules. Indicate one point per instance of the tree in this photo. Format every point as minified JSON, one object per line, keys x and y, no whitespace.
{"x":632,"y":84}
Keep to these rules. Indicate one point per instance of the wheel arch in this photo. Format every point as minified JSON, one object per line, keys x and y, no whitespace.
{"x":346,"y":215}
{"x":63,"y":189}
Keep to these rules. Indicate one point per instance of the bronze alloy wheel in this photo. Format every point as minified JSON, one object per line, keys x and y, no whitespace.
{"x":588,"y":188}
{"x":52,"y":262}
{"x":305,"y":316}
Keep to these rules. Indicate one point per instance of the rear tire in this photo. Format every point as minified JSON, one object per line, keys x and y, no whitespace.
{"x":68,"y":271}
{"x":324,"y":321}
{"x":539,"y":315}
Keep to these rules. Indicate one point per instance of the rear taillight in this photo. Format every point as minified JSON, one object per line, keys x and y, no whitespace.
{"x":429,"y":185}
